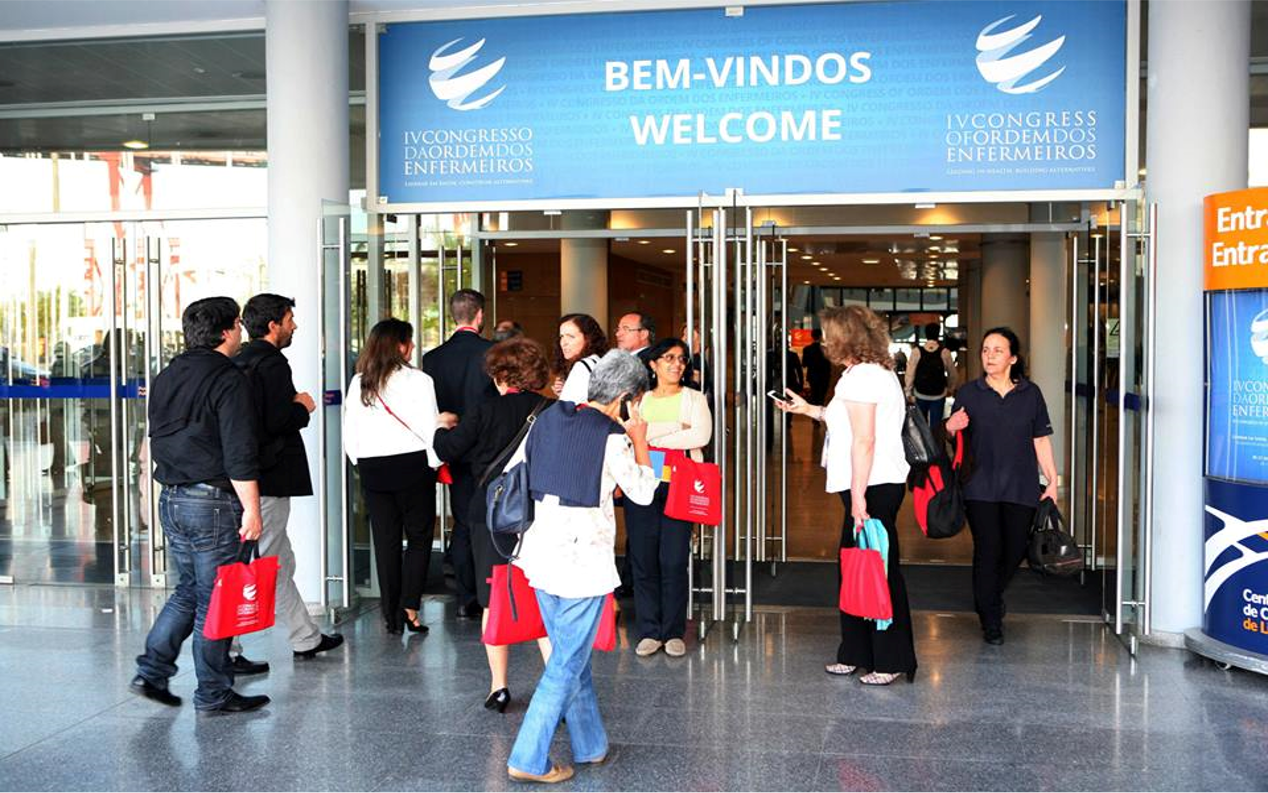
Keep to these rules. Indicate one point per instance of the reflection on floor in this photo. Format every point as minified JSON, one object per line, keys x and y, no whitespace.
{"x":1060,"y":706}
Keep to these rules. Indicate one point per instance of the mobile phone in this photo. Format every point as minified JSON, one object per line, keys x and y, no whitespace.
{"x":625,"y":409}
{"x":775,"y":395}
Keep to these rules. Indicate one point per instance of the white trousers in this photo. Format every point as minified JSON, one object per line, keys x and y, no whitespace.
{"x":290,"y":608}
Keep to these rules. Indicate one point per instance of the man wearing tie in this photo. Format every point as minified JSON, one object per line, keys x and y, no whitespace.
{"x":457,"y":367}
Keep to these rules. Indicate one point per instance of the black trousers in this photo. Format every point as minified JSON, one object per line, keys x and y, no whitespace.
{"x":462,"y":557}
{"x":862,"y":645}
{"x":400,"y":503}
{"x":1001,"y":533}
{"x":659,"y":552}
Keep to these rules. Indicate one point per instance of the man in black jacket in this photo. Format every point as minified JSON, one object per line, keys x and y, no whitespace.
{"x":281,"y":413}
{"x":204,"y":446}
{"x":457,"y":367}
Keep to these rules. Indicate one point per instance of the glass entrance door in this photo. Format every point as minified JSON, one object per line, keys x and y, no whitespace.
{"x":90,"y":313}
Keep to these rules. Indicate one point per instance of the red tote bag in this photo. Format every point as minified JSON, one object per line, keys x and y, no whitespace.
{"x":605,"y":638}
{"x":695,"y":491}
{"x":242,"y":598}
{"x":864,"y":587}
{"x":507,"y":625}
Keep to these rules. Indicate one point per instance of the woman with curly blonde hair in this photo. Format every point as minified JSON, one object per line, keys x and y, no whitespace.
{"x":865,"y":463}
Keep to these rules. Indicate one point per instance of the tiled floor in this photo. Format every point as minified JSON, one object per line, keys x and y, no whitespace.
{"x":1060,"y":706}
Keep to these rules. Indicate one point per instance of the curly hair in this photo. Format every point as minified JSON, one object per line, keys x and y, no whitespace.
{"x":518,"y":362}
{"x":596,"y":341}
{"x":854,"y":334}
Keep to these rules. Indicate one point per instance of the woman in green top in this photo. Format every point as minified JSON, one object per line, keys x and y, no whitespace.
{"x":677,"y":418}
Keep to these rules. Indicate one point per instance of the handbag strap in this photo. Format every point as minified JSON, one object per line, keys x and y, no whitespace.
{"x":248,"y":549}
{"x":401,"y":420}
{"x":510,"y":448}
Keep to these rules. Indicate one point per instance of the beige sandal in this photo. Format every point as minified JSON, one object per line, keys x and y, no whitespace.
{"x":884,"y":678}
{"x":840,"y":670}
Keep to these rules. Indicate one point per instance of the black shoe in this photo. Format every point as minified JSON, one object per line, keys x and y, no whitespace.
{"x":498,"y":700}
{"x":394,"y":626}
{"x":327,"y":643}
{"x":142,"y":687}
{"x":415,"y":625}
{"x":471,"y":611}
{"x":245,"y":666}
{"x":236,"y":703}
{"x":993,"y":636}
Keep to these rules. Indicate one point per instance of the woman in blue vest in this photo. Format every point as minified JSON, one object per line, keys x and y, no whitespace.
{"x":577,"y":456}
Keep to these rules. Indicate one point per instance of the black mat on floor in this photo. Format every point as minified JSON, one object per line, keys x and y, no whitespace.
{"x":931,"y":588}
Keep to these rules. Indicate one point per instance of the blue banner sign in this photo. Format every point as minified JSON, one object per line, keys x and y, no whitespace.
{"x":1237,"y":386}
{"x":1235,"y":582}
{"x":793,"y":99}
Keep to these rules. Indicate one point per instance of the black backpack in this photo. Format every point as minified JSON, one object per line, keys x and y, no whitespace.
{"x":931,"y":375}
{"x":1052,"y":550}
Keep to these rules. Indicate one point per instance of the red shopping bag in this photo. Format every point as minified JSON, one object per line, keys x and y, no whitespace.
{"x":864,"y":587}
{"x":695,"y":491}
{"x":605,"y":639}
{"x":242,"y":598}
{"x":444,"y":475}
{"x":508,"y":625}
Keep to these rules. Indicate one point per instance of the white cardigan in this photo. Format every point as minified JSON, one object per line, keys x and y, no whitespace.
{"x":693,"y":411}
{"x":370,"y":431}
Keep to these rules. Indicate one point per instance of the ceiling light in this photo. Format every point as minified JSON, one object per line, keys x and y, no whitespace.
{"x":552,"y":212}
{"x":836,"y":278}
{"x":669,"y":250}
{"x":807,"y":257}
{"x":926,"y":205}
{"x":807,"y":283}
{"x":510,"y":244}
{"x":815,"y":263}
{"x":935,"y":236}
{"x":793,"y":250}
{"x":135,"y":145}
{"x":871,"y":261}
{"x":823,"y":269}
{"x":644,"y":242}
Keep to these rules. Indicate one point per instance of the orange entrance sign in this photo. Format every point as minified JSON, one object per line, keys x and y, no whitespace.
{"x":1236,"y":244}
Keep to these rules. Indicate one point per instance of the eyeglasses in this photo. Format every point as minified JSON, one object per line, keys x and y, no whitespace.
{"x":672,"y":359}
{"x":628,"y":329}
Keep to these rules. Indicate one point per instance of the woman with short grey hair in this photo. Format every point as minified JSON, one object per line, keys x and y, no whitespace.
{"x":577,"y":456}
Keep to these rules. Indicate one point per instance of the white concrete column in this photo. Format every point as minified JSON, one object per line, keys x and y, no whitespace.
{"x":1198,"y":100}
{"x":1005,"y":266}
{"x":1046,"y":355}
{"x":583,"y":268}
{"x":306,"y":62}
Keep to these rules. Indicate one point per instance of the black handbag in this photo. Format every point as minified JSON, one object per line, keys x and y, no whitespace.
{"x":919,"y":446}
{"x":1052,"y":549}
{"x":508,"y":504}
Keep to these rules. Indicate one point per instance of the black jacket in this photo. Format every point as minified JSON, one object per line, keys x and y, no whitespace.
{"x":457,"y":367}
{"x":202,"y":422}
{"x":283,"y":461}
{"x":482,"y":434}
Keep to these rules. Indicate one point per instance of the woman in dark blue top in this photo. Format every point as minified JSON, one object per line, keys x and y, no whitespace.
{"x":1008,"y":428}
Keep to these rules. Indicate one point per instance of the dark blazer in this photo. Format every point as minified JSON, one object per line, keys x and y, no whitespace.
{"x":483,"y":433}
{"x":457,"y":367}
{"x":283,"y":461}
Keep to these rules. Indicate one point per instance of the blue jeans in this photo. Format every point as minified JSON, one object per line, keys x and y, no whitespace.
{"x":932,"y":408}
{"x":201,"y":523}
{"x":566,"y":688}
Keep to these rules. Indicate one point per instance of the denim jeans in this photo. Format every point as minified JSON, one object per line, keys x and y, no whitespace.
{"x":201,"y":524}
{"x":932,"y":408}
{"x":566,"y":688}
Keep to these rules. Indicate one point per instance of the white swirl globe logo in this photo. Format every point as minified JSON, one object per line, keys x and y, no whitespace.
{"x":457,"y":89}
{"x":248,"y":592}
{"x":698,"y":486}
{"x":1015,"y":73}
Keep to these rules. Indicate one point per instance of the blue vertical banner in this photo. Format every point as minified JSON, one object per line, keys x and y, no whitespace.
{"x":1237,"y":386}
{"x":787,"y":99}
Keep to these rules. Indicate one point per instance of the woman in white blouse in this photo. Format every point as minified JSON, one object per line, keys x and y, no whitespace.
{"x":865,"y":463}
{"x":678,"y":419}
{"x":581,"y":344}
{"x":389,"y":418}
{"x":577,"y":456}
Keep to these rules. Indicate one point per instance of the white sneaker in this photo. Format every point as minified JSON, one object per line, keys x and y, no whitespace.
{"x":676,"y":648}
{"x":646,"y":647}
